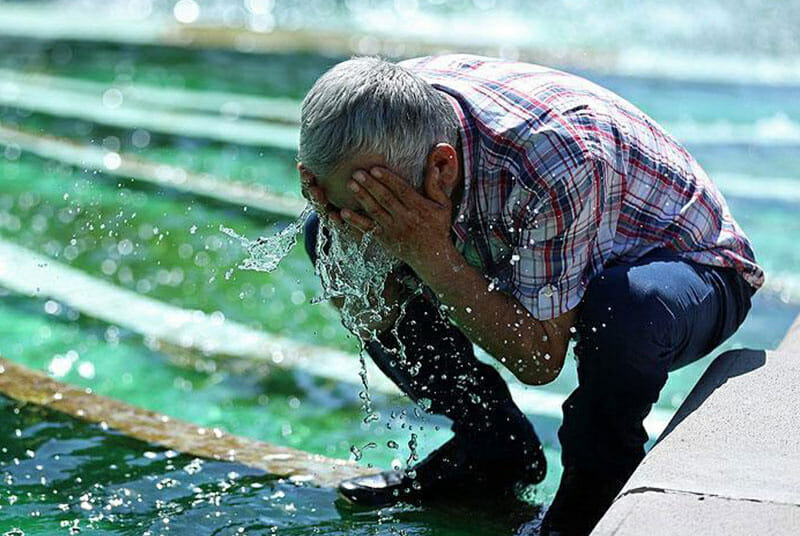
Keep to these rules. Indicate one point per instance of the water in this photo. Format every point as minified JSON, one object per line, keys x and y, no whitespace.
{"x":168,"y":245}
{"x":68,"y":477}
{"x":353,"y":272}
{"x":266,"y":252}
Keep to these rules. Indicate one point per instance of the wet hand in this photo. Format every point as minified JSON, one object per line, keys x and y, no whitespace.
{"x":316,"y":195}
{"x":413,"y":227}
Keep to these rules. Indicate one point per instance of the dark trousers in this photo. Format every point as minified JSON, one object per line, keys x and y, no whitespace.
{"x":635,"y":324}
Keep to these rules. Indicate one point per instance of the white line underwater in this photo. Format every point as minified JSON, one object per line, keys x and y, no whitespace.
{"x":785,"y":285}
{"x":776,"y":129}
{"x":770,"y":131}
{"x":87,"y":156}
{"x":31,"y":274}
{"x":111,"y":109}
{"x":262,"y":121}
{"x":782,"y":189}
{"x":281,"y":110}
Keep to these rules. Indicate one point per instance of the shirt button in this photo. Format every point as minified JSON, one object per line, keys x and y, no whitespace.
{"x":547,"y":291}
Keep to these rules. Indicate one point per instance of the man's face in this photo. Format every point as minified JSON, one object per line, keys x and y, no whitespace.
{"x":335,"y":186}
{"x":351,"y":269}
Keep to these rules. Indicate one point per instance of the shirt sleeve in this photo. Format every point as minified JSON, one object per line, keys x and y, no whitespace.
{"x":556,"y":231}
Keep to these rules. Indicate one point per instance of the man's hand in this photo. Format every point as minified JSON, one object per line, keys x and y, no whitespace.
{"x":415,"y":228}
{"x":316,"y":195}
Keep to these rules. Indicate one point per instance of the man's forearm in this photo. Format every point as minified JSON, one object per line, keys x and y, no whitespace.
{"x":416,"y":228}
{"x":495,"y":321}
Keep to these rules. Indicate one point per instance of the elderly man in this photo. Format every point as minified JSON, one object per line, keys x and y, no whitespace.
{"x":534,"y":207}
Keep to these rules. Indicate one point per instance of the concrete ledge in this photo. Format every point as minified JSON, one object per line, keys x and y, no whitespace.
{"x":660,"y":513}
{"x":729,"y":461}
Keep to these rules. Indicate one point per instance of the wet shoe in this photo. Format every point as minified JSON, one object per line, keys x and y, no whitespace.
{"x":447,"y":472}
{"x":580,"y":502}
{"x":375,"y":491}
{"x":390,"y":487}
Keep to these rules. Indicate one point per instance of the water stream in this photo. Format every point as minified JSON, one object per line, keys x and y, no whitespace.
{"x":353,"y":272}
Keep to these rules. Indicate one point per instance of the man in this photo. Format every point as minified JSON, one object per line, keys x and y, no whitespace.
{"x":534,"y":207}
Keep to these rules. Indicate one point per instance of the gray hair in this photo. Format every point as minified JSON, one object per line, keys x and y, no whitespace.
{"x":368,"y":105}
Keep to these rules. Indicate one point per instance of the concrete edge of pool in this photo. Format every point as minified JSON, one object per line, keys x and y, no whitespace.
{"x":728,"y":461}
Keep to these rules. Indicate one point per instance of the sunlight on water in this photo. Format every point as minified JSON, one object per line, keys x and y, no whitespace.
{"x":59,"y":475}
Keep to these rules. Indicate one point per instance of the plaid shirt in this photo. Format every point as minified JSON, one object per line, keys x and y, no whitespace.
{"x":563,"y":177}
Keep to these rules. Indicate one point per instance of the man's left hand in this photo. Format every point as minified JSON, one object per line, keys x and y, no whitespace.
{"x":413,"y":227}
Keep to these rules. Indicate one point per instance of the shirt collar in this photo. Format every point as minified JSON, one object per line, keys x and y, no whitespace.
{"x":460,"y":223}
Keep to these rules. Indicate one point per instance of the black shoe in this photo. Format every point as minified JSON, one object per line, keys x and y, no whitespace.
{"x":580,"y":502}
{"x":449,"y":471}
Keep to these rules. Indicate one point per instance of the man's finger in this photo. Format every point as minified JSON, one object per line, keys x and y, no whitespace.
{"x":398,"y":186}
{"x":336,"y":217}
{"x":369,"y":203}
{"x":383,"y":195}
{"x":362,"y":223}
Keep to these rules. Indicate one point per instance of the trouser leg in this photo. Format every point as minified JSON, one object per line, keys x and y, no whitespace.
{"x":440,"y":370}
{"x":635,"y":324}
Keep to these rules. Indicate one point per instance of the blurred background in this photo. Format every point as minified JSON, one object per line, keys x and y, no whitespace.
{"x":132,"y":130}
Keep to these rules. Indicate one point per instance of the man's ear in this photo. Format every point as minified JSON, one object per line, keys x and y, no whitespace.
{"x":444,"y":158}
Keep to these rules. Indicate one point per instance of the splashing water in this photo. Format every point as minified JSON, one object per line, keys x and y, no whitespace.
{"x":267,"y":252}
{"x":412,"y":454}
{"x":353,"y":272}
{"x":358,"y":453}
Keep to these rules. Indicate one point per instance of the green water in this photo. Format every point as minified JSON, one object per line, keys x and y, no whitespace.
{"x":67,"y":475}
{"x":167,"y":245}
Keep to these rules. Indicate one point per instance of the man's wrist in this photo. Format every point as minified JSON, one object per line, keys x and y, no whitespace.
{"x":445,"y":261}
